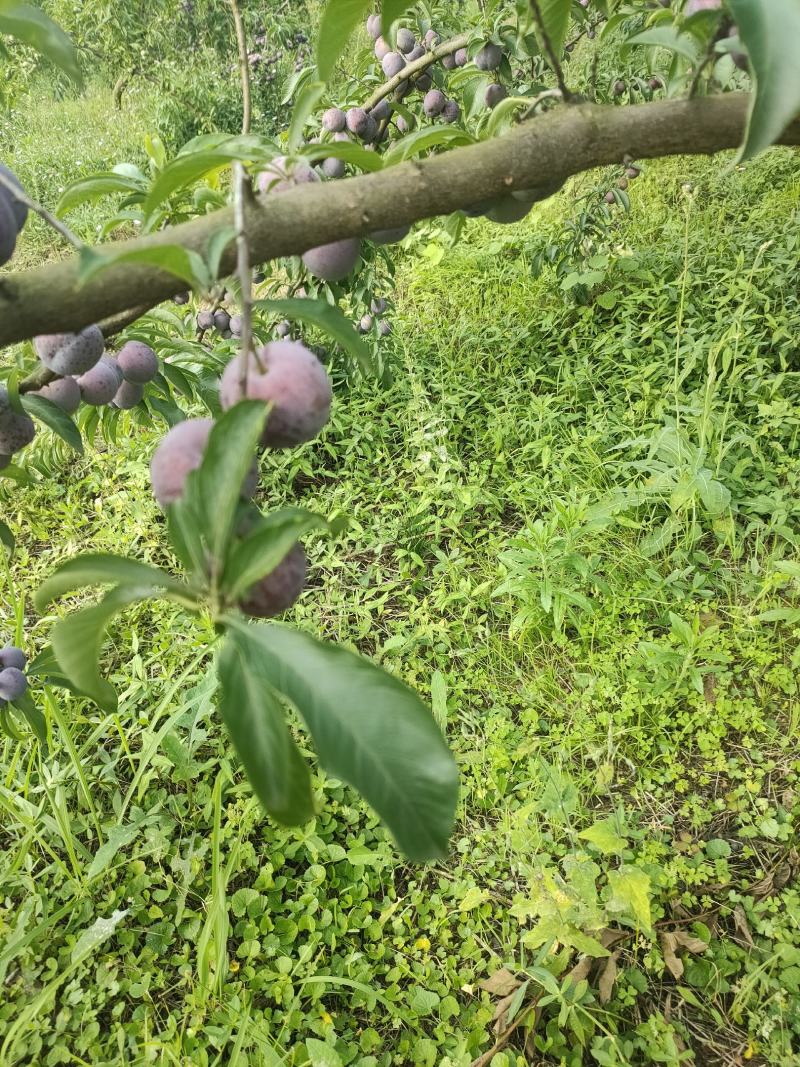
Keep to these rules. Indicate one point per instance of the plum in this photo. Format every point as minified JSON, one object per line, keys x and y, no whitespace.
{"x":384,"y":328}
{"x":357,"y":121}
{"x":99,"y":384}
{"x":424,"y":82}
{"x":374,"y":26}
{"x":417,"y":52}
{"x":406,"y":41}
{"x":451,"y":112}
{"x":449,"y":61}
{"x":333,"y":167}
{"x":16,"y":428}
{"x":70,"y":353}
{"x":370,"y":130}
{"x":432,"y":39}
{"x":13,"y":684}
{"x":461,"y":57}
{"x":64,"y":392}
{"x":434,"y":102}
{"x":378,"y":305}
{"x":495,"y":92}
{"x":392,"y":63}
{"x":19,"y":209}
{"x":180,"y":298}
{"x":138,"y":362}
{"x":489,"y":57}
{"x":334,"y":120}
{"x":179,"y":453}
{"x":295,"y":385}
{"x":8,"y":229}
{"x":128,"y":395}
{"x":365,"y":325}
{"x":236,"y":326}
{"x":382,"y":111}
{"x":279,"y":175}
{"x":283,"y":329}
{"x":276,"y":593}
{"x":610,"y":198}
{"x":205,"y":320}
{"x":222,"y":320}
{"x":333,"y":261}
{"x":382,"y":48}
{"x":618,"y":87}
{"x":11,"y":656}
{"x":389,"y":237}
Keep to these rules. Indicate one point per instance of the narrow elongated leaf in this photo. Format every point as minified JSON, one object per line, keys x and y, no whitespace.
{"x":101,"y":568}
{"x":391,"y":11}
{"x":555,"y":20}
{"x":77,"y":640}
{"x":413,"y":144}
{"x":87,"y":189}
{"x":339,"y":21}
{"x":184,"y":263}
{"x":32,"y":715}
{"x":370,"y":730}
{"x":666,"y":37}
{"x":257,"y":725}
{"x":189,"y":166}
{"x":215,"y":492}
{"x":306,"y":102}
{"x":328,"y":319}
{"x":770,"y":30}
{"x":53,"y":416}
{"x":264,"y":548}
{"x":346,"y":151}
{"x":7,"y":537}
{"x":31,"y":26}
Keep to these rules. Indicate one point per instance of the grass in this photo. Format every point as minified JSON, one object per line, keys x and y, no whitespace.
{"x":574,"y":529}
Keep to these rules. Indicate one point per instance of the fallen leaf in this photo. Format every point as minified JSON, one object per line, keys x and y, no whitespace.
{"x":607,"y":979}
{"x":609,"y":937}
{"x":691,"y":944}
{"x":501,"y":983}
{"x":581,"y":969}
{"x":710,"y":689}
{"x":500,"y":1012}
{"x":672,"y":961}
{"x":742,"y":925}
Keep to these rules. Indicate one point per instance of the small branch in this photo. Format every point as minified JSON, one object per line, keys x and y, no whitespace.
{"x":18,"y":194}
{"x":446,"y":49}
{"x":244,"y":66}
{"x":547,"y":94}
{"x":241,"y":189}
{"x":555,"y":62}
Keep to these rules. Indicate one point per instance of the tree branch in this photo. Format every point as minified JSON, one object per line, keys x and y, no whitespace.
{"x":244,"y":65}
{"x":564,"y":142}
{"x":446,"y":49}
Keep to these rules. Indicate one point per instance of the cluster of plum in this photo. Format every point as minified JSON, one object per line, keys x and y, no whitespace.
{"x":289,"y":378}
{"x":218,"y":319}
{"x":623,"y":181}
{"x":13,"y":682}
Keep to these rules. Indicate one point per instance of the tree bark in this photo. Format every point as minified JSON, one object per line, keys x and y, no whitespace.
{"x":564,"y":142}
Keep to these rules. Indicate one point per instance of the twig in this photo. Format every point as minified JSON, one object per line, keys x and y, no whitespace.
{"x":244,"y":66}
{"x":555,"y":62}
{"x":547,"y":94}
{"x":17,"y":193}
{"x":446,"y":49}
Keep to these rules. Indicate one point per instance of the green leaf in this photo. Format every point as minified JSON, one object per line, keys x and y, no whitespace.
{"x":555,"y":20}
{"x":603,"y":835}
{"x":215,"y":492}
{"x":77,"y":640}
{"x":770,"y":30}
{"x":347,"y":151}
{"x":666,"y":37}
{"x":87,"y":189}
{"x":306,"y":103}
{"x":257,"y":725}
{"x":716,"y":497}
{"x":330,"y":320}
{"x":189,"y":166}
{"x":118,"y":837}
{"x":630,"y":893}
{"x":183,"y":263}
{"x":216,"y":248}
{"x":53,"y":416}
{"x":100,"y":568}
{"x":339,"y":21}
{"x":264,"y":548}
{"x":421,"y":140}
{"x":7,"y":537}
{"x":322,"y":1055}
{"x":31,"y":26}
{"x":391,"y":11}
{"x":370,"y":730}
{"x":32,"y":715}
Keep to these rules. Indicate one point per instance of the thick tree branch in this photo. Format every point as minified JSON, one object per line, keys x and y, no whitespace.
{"x":446,"y":49}
{"x":563,"y":142}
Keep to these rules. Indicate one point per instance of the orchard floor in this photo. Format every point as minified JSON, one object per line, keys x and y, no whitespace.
{"x":631,"y":768}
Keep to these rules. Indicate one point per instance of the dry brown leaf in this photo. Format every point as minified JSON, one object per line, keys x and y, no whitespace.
{"x":742,"y":925}
{"x":500,"y":1011}
{"x":581,"y":969}
{"x":710,"y":689}
{"x":764,"y":888}
{"x":609,"y":937}
{"x":608,"y":978}
{"x":501,"y":983}
{"x":691,"y":944}
{"x":669,"y":944}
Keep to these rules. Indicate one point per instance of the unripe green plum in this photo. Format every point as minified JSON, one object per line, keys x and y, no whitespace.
{"x":19,"y":209}
{"x":406,"y":40}
{"x":276,"y":593}
{"x":64,"y":392}
{"x":489,"y":57}
{"x":99,"y":385}
{"x":11,"y":656}
{"x":495,"y":92}
{"x":13,"y":684}
{"x":392,"y":63}
{"x":389,"y":237}
{"x":128,"y":395}
{"x":334,"y":120}
{"x":70,"y":353}
{"x":295,"y":385}
{"x":138,"y":362}
{"x":333,"y":261}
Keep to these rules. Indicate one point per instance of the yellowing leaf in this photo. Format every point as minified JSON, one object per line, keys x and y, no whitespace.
{"x":473,"y":898}
{"x":603,"y":835}
{"x":630,"y":894}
